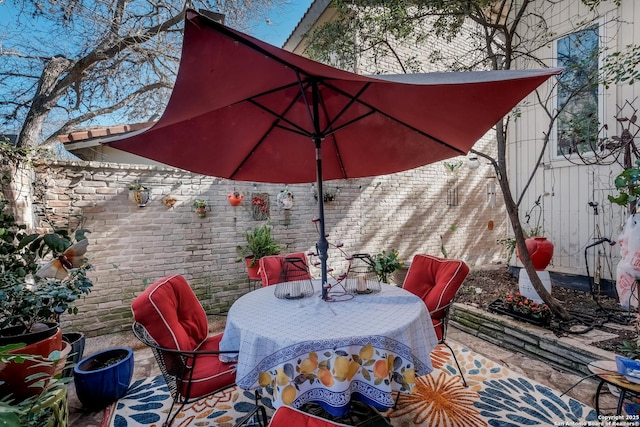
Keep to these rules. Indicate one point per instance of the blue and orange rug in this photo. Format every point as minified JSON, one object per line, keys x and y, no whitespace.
{"x":496,"y":396}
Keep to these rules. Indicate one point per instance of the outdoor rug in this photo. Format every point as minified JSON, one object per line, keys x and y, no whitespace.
{"x":496,"y":396}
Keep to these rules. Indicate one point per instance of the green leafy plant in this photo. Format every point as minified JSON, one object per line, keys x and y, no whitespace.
{"x":136,"y":186}
{"x":630,"y":348}
{"x":386,"y":263}
{"x":199,"y":203}
{"x":518,"y":303}
{"x":25,"y":298}
{"x":260,"y":243}
{"x":628,"y":185}
{"x":31,"y":412}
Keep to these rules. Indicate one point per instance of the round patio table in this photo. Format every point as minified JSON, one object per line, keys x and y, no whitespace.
{"x":311,"y":350}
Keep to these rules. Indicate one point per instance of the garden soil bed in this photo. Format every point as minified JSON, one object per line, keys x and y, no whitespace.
{"x":484,"y":286}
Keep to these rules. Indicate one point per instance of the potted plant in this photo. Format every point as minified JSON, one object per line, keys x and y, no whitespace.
{"x":527,"y":309}
{"x":44,"y":406}
{"x":200,"y":207}
{"x":139,"y":194}
{"x":385,"y":264}
{"x":259,"y":243}
{"x":33,"y":296}
{"x":328,"y":195}
{"x":104,"y":377}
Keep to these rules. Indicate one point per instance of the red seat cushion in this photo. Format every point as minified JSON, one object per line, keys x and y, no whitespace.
{"x":172,"y":314}
{"x":209,"y":372}
{"x":286,"y":416}
{"x":436,"y":281}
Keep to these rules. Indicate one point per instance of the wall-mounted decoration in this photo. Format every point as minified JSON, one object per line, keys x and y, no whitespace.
{"x":169,"y":201}
{"x":328,"y":194}
{"x":235,"y":198}
{"x":452,"y":196}
{"x":201,"y":207}
{"x":139,"y":194}
{"x":285,"y":199}
{"x":452,"y":167}
{"x":260,"y":206}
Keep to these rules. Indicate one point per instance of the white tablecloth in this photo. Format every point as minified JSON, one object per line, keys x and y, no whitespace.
{"x":312,"y":350}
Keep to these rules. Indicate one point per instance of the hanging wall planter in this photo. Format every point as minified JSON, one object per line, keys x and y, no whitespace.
{"x":328,"y":195}
{"x":200,"y":207}
{"x":235,"y":198}
{"x":285,"y":199}
{"x":139,"y":194}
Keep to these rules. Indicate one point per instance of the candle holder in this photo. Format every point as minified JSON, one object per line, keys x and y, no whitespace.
{"x":295,"y":280}
{"x":361,"y":277}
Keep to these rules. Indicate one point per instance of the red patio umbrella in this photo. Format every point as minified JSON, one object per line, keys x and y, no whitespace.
{"x":245,"y":110}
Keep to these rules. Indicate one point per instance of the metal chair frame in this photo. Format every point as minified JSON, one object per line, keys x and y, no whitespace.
{"x":178,"y":366}
{"x":444,"y":322}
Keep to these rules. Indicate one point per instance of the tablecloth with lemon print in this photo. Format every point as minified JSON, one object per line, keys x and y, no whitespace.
{"x":329,"y":352}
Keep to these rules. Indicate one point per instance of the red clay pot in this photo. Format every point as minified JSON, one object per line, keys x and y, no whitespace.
{"x":252,"y":270}
{"x":15,"y":374}
{"x":235,"y":198}
{"x":540,"y":250}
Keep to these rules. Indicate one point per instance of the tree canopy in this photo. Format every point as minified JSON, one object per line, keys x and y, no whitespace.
{"x":71,"y":63}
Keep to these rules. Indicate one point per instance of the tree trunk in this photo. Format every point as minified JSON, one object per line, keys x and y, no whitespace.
{"x":46,"y":98}
{"x":512,"y":210}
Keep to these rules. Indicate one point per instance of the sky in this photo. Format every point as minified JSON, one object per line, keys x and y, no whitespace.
{"x":281,"y":22}
{"x":274,"y":30}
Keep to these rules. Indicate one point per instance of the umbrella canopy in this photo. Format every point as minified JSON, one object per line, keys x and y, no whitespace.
{"x":245,"y":110}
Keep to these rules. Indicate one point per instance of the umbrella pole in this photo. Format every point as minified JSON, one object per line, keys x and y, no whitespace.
{"x":322,"y":245}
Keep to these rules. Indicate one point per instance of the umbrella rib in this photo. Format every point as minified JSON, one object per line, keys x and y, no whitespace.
{"x":352,"y":100}
{"x":298,"y":129}
{"x":390,"y":117}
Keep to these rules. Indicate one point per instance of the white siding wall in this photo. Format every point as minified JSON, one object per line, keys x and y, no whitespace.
{"x":567,"y":189}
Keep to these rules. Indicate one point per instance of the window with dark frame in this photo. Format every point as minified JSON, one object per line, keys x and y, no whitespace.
{"x":578,"y":123}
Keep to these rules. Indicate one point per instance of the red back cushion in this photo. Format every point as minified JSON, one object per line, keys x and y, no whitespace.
{"x":172,"y":314}
{"x":435,"y":280}
{"x":270,"y":269}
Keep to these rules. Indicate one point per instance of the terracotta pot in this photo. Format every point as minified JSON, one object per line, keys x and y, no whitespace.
{"x":15,"y":374}
{"x":540,"y":250}
{"x":252,"y":270}
{"x":202,"y":212}
{"x":235,"y":198}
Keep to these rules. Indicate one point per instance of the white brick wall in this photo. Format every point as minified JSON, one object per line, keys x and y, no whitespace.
{"x":130,"y":247}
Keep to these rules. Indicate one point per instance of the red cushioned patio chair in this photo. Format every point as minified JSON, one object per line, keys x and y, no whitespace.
{"x":436,"y":281}
{"x":283,"y":268}
{"x":170,"y":320}
{"x":286,"y":416}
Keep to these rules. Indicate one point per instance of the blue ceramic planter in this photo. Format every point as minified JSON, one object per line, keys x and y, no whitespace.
{"x":103,"y":377}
